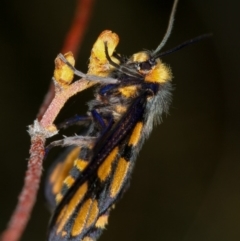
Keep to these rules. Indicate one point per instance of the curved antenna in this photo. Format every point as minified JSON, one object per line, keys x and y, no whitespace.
{"x":185,"y":44}
{"x":169,"y":29}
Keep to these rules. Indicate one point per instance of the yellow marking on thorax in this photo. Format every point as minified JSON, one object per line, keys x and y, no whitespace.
{"x":159,"y":74}
{"x":105,"y":168}
{"x":62,"y":169}
{"x":102,"y":221}
{"x":128,"y":91}
{"x":134,"y":138}
{"x":76,"y":199}
{"x":86,"y":215}
{"x":80,"y":164}
{"x":119,"y":177}
{"x":69,"y":180}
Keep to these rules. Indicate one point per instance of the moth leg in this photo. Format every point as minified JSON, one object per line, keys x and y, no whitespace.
{"x":84,"y":120}
{"x":76,"y":120}
{"x":81,"y":141}
{"x":78,"y":140}
{"x":105,"y":80}
{"x":103,"y":124}
{"x":98,"y":120}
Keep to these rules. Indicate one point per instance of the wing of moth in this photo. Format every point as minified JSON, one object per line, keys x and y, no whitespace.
{"x":88,"y":179}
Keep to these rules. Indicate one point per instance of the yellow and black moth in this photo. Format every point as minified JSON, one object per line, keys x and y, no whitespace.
{"x":93,"y":173}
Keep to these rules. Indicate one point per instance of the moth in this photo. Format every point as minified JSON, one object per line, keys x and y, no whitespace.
{"x":86,"y":181}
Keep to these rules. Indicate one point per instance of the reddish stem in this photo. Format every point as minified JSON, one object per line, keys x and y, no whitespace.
{"x":28,"y":195}
{"x":60,"y":99}
{"x":72,"y":42}
{"x":46,"y":101}
{"x":75,"y":35}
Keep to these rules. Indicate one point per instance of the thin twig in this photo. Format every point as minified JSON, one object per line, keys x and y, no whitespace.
{"x":28,"y":194}
{"x":78,"y":28}
{"x":60,"y":99}
{"x":72,"y":42}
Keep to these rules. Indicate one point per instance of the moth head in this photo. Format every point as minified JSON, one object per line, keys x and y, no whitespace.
{"x":142,"y":62}
{"x":151,"y":69}
{"x":146,"y":64}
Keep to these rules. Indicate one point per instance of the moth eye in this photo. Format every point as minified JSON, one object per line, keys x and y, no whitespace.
{"x":145,"y":65}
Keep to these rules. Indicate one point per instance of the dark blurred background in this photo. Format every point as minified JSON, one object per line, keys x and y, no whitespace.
{"x":186,"y":182}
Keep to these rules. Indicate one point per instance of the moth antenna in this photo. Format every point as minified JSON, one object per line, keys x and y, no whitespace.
{"x":169,"y":29}
{"x":185,"y":44}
